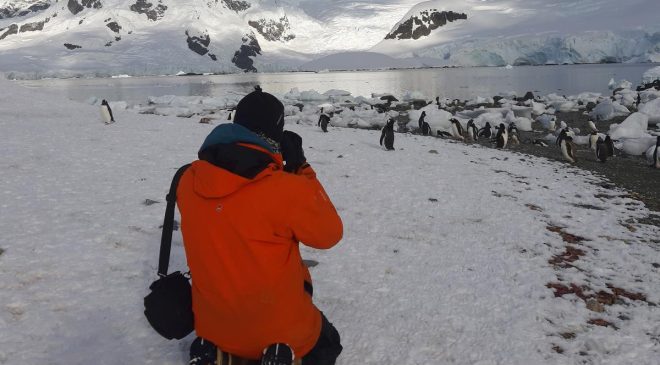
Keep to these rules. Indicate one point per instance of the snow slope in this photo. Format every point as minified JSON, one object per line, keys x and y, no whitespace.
{"x":43,"y":38}
{"x":449,"y":254}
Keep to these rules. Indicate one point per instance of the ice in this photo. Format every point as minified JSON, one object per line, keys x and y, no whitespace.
{"x":652,"y":110}
{"x":651,"y":75}
{"x":607,"y":110}
{"x":634,"y":126}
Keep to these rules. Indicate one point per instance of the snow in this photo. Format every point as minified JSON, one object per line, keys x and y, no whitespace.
{"x":329,"y":35}
{"x":444,"y":257}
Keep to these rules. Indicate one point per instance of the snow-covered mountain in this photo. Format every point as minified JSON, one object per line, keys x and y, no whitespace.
{"x":40,"y":38}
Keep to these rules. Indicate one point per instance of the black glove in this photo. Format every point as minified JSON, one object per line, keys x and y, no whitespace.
{"x":292,"y":151}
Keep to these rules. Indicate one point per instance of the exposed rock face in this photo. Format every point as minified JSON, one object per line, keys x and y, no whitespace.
{"x":75,"y":7}
{"x":199,"y":44}
{"x":13,"y":29}
{"x":250,"y":48}
{"x":11,"y":11}
{"x":71,"y":46}
{"x":421,"y":25}
{"x":152,"y":12}
{"x":236,"y":5}
{"x":114,"y":26}
{"x":273,"y":30}
{"x":31,"y":27}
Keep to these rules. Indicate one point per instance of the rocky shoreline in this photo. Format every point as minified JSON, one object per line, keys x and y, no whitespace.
{"x":631,"y":173}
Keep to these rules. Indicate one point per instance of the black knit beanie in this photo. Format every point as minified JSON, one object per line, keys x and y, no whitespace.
{"x":261,"y":113}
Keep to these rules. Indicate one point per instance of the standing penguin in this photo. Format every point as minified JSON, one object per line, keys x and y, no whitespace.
{"x":568,"y":149}
{"x":324,"y":119}
{"x":106,"y":112}
{"x":485,"y":131}
{"x":472,"y":132}
{"x":562,"y":135}
{"x":502,"y":136}
{"x":601,"y":152}
{"x":423,"y":126}
{"x":387,"y":135}
{"x":593,"y":138}
{"x":513,"y":133}
{"x":656,"y":154}
{"x":456,"y":129}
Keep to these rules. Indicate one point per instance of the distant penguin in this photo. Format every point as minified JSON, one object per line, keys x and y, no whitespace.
{"x":539,"y":142}
{"x":472,"y":131}
{"x":324,"y":119}
{"x":592,"y":126}
{"x":485,"y":131}
{"x":456,"y":129}
{"x":423,"y":126}
{"x":387,"y":135}
{"x":513,"y":133}
{"x":437,"y":101}
{"x":656,"y":154}
{"x":568,"y":149}
{"x":106,"y":112}
{"x":502,"y":136}
{"x":229,"y":116}
{"x":593,"y":138}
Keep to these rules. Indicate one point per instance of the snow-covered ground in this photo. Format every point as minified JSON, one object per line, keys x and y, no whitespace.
{"x":452,"y":254}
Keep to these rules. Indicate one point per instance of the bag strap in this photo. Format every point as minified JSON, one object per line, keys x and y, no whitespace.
{"x":168,"y":224}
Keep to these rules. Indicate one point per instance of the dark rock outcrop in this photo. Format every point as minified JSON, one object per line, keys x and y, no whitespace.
{"x":199,"y":44}
{"x":31,"y":27}
{"x":75,"y":7}
{"x":13,"y":29}
{"x":422,"y":24}
{"x":273,"y":30}
{"x":114,"y":26}
{"x":152,"y":12}
{"x":236,"y":5}
{"x":71,"y":46}
{"x":249,"y":48}
{"x":11,"y":11}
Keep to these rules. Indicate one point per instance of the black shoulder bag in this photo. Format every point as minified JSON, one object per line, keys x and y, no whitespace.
{"x":168,"y":307}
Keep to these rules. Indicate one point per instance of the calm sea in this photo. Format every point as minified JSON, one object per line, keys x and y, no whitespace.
{"x":461,"y":83}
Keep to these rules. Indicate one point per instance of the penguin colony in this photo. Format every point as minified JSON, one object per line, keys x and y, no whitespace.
{"x":502,"y":135}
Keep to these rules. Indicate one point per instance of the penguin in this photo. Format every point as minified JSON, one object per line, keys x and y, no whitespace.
{"x":456,"y":129}
{"x":539,"y":142}
{"x":502,"y":136}
{"x":513,"y":133}
{"x":387,"y":135}
{"x":592,"y":126}
{"x":423,"y":126}
{"x":229,"y":116}
{"x":485,"y":131}
{"x":324,"y":119}
{"x":106,"y":113}
{"x":656,"y":154}
{"x":562,"y":135}
{"x":568,"y":149}
{"x":601,"y":153}
{"x":437,"y":101}
{"x":593,"y":138}
{"x":609,"y":146}
{"x":472,"y":130}
{"x":444,"y":134}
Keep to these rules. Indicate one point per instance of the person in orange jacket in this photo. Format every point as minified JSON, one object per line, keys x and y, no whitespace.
{"x":243,"y":214}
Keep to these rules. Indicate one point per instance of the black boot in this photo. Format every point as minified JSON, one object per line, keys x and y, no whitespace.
{"x":203,"y":352}
{"x":277,"y":354}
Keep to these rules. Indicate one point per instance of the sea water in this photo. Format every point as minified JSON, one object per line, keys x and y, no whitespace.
{"x":454,"y":83}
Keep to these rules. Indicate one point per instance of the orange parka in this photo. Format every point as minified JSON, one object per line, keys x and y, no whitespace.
{"x":241,"y":238}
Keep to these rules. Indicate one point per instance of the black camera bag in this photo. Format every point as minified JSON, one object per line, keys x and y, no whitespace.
{"x":168,"y":307}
